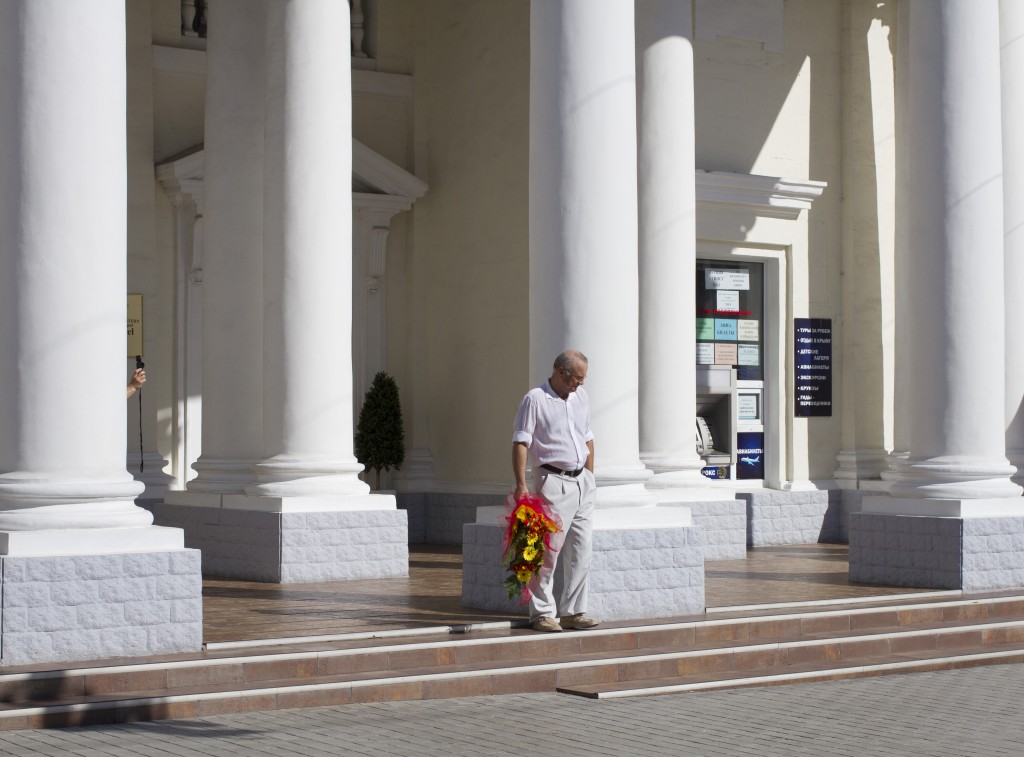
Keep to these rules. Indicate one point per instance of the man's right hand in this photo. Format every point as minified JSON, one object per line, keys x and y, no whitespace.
{"x":520,"y":492}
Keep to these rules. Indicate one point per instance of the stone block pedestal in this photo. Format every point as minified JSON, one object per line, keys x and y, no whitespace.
{"x":292,"y":541}
{"x":642,"y":567}
{"x":776,"y":518}
{"x":974,"y":546}
{"x":59,"y":608}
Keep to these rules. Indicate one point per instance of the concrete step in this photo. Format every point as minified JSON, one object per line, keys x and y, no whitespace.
{"x":829,"y":642}
{"x":808,"y":672}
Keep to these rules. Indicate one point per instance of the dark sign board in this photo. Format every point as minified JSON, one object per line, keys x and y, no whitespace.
{"x":813,"y":366}
{"x":750,"y":454}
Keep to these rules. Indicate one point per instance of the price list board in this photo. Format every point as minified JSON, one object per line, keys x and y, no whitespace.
{"x":813,"y":367}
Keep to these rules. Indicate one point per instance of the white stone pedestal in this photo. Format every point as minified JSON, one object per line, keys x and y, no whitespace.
{"x":292,"y":539}
{"x":58,"y":608}
{"x":648,"y":563}
{"x":973,"y":545}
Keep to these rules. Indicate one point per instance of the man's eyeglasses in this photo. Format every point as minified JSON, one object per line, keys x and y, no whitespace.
{"x":573,"y":376}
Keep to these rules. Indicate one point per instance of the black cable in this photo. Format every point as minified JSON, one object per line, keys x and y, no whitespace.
{"x":139,"y":364}
{"x":142,"y":463}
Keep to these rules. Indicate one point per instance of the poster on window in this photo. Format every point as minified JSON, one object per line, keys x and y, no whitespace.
{"x":750,"y":454}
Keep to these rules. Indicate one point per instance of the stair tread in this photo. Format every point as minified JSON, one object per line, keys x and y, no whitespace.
{"x":391,"y":645}
{"x":491,"y":667}
{"x":824,"y":667}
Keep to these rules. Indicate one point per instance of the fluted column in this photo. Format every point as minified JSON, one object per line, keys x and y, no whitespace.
{"x":232,"y":289}
{"x":668,"y":243}
{"x":63,"y":274}
{"x":955,"y":262}
{"x":307,"y":242}
{"x":1011,"y":30}
{"x":583,"y":218}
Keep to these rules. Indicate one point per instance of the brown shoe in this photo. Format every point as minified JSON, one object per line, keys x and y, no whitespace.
{"x":546,"y":624}
{"x":580,"y":621}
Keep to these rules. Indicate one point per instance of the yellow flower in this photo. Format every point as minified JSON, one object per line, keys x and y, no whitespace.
{"x":529,"y":553}
{"x":524,"y":575}
{"x":521,"y":513}
{"x":532,"y":539}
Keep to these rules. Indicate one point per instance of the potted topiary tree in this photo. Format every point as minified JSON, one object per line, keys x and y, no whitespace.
{"x":380,"y":438}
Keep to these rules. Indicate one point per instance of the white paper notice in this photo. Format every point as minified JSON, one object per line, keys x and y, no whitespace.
{"x":747,"y":331}
{"x":749,"y":354}
{"x":728,"y":300}
{"x":726,"y":279}
{"x":725,"y":354}
{"x":705,"y":354}
{"x":746,"y":407}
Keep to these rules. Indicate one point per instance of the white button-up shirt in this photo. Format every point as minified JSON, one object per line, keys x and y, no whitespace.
{"x":556,"y":431}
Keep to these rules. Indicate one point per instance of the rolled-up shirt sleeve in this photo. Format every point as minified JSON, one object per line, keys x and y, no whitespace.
{"x":525,"y":422}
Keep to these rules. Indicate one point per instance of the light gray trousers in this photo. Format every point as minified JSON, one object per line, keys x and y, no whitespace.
{"x":572,"y":500}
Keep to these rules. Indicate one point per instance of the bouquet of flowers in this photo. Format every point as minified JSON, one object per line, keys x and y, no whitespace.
{"x":527,"y":539}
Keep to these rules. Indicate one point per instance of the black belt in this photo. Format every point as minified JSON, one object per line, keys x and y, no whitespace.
{"x":553,"y":469}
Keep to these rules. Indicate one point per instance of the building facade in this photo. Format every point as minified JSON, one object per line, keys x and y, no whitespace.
{"x":793,"y":223}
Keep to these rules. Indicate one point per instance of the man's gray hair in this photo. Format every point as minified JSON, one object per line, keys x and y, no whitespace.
{"x":569,"y":358}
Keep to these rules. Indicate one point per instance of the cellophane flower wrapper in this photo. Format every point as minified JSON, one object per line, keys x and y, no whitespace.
{"x":529,"y":526}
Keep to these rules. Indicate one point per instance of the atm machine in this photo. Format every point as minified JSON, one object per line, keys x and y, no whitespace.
{"x":716,"y":420}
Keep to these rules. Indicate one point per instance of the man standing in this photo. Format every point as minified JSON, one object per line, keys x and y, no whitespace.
{"x":552,"y":428}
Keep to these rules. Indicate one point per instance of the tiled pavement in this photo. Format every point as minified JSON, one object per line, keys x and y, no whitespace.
{"x":431,"y":595}
{"x":962,"y":712}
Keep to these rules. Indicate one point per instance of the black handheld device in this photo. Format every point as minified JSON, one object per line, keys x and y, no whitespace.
{"x":138,"y":362}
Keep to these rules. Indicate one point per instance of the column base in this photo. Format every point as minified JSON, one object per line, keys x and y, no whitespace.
{"x":1016,"y":458}
{"x":858,"y":465}
{"x":221,"y":476}
{"x":653,"y":569}
{"x":151,"y":476}
{"x":974,"y":553}
{"x":671,"y":490}
{"x":292,"y":539}
{"x":996,"y":507}
{"x":955,"y":477}
{"x":623,"y":486}
{"x":90,"y":541}
{"x":623,"y":495}
{"x":59,"y":608}
{"x":286,"y":476}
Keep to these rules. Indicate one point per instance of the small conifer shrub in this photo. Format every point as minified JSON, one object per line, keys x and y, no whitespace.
{"x":380,"y":437}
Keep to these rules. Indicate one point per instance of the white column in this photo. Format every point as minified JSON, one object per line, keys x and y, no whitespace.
{"x":583,"y":218}
{"x":955,"y":281}
{"x":668,"y":243}
{"x":1011,"y":30}
{"x":232,"y":363}
{"x":903,"y":305}
{"x":307,"y":241}
{"x":867,"y":234}
{"x":63,"y":282}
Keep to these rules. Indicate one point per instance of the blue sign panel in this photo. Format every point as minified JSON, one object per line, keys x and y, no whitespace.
{"x":813,"y":367}
{"x":716,"y":471}
{"x":750,"y":454}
